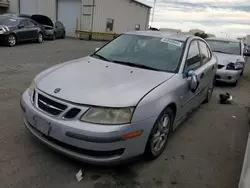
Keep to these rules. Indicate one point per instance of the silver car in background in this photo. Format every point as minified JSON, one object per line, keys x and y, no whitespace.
{"x":123,"y":100}
{"x":231,"y":61}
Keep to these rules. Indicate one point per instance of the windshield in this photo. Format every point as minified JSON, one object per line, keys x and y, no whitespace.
{"x":225,"y":47}
{"x":143,"y":51}
{"x":8,"y":21}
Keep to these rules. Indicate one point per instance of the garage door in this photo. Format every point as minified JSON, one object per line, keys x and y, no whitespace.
{"x":68,"y":11}
{"x":28,"y":6}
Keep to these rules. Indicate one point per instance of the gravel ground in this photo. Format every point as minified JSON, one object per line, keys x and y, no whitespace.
{"x":206,"y":151}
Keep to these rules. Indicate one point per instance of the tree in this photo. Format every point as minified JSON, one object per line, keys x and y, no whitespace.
{"x":202,"y":35}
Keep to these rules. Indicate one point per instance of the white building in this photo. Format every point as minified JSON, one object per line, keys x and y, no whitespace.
{"x":94,"y":15}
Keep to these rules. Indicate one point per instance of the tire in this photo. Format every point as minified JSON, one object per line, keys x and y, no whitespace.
{"x":241,"y":74}
{"x":63,"y":35}
{"x":157,"y":137}
{"x":235,"y":83}
{"x":39,"y":37}
{"x":53,"y":37}
{"x":11,"y":40}
{"x":210,"y":92}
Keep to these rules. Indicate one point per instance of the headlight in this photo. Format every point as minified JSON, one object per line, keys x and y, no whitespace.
{"x":31,"y":88}
{"x":235,"y":66}
{"x":109,"y":116}
{"x":1,"y":32}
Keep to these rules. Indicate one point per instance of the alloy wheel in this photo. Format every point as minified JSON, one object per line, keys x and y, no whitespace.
{"x":12,"y":40}
{"x":161,"y":134}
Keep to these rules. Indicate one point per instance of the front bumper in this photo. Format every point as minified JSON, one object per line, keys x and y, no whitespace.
{"x":90,"y":143}
{"x":227,"y":76}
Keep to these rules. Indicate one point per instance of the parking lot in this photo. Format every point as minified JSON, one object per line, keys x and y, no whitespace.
{"x":206,"y":151}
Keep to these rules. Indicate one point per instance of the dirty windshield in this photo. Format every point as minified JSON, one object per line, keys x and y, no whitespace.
{"x":225,"y":47}
{"x":156,"y":53}
{"x":8,"y":22}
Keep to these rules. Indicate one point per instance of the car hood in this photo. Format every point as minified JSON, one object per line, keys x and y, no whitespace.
{"x":41,"y":19}
{"x":224,"y":59}
{"x":95,"y":82}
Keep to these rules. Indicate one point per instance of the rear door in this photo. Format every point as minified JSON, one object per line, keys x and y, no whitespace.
{"x":32,"y":29}
{"x":22,"y":32}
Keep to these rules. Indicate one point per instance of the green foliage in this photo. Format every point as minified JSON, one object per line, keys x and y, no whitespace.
{"x":202,"y":35}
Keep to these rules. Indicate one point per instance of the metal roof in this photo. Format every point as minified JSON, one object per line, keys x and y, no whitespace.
{"x":176,"y":36}
{"x":135,"y":1}
{"x":222,"y":39}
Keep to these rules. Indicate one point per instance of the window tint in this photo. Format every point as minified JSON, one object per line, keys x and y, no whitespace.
{"x":30,"y":23}
{"x":193,"y":59}
{"x":24,"y":22}
{"x":204,"y":52}
{"x":154,"y":52}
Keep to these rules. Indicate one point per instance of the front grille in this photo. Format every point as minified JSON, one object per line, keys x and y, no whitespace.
{"x":72,"y":113}
{"x":220,"y":66}
{"x":50,"y":106}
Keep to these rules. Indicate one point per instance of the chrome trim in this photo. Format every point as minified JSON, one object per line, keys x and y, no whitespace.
{"x":50,"y":106}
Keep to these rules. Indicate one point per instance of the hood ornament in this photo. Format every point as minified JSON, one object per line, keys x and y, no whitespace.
{"x":57,"y":90}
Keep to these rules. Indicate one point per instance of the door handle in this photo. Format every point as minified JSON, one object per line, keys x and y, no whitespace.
{"x":202,"y":75}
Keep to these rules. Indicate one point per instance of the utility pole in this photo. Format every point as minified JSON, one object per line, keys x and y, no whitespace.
{"x":152,"y":20}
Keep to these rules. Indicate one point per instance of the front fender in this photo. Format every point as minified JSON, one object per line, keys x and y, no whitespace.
{"x":157,"y":100}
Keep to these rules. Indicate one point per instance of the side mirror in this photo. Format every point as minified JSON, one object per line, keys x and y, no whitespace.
{"x":246,"y":54}
{"x":20,"y":26}
{"x":194,"y":83}
{"x":97,"y":49}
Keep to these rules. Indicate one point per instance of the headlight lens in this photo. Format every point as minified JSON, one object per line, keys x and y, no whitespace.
{"x":235,"y":66}
{"x":31,"y":88}
{"x":109,"y":116}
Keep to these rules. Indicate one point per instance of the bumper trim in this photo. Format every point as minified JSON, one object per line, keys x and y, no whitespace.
{"x":72,"y":151}
{"x":93,"y":139}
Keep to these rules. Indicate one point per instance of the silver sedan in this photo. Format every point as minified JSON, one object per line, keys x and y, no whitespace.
{"x":231,"y":61}
{"x":123,"y":100}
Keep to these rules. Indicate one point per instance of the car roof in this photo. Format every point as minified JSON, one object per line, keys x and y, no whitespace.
{"x":175,"y":36}
{"x":12,"y":17}
{"x":222,"y":39}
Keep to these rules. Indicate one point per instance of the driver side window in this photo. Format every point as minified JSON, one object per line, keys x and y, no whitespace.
{"x":193,"y":61}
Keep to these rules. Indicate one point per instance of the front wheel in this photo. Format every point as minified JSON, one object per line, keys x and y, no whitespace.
{"x":159,"y":135}
{"x":40,"y":38}
{"x":11,"y":40}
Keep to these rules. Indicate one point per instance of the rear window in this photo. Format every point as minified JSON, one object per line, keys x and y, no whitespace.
{"x":8,"y":22}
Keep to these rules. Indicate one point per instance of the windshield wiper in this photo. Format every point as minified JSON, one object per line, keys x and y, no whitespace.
{"x":100,"y":57}
{"x":135,"y":65}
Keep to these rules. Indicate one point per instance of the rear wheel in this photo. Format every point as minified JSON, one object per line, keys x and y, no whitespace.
{"x":63,"y":35}
{"x":210,"y":92}
{"x":159,"y":135}
{"x":11,"y":40}
{"x":54,"y":36}
{"x":40,"y":38}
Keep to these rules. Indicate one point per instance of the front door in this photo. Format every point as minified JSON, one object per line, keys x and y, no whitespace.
{"x":191,"y":99}
{"x":22,"y":33}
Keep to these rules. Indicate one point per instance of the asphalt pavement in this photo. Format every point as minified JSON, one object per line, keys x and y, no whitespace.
{"x":206,"y":151}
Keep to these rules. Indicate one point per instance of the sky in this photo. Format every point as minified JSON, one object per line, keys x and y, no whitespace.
{"x":219,"y":17}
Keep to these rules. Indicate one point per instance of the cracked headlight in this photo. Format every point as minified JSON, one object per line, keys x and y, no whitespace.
{"x":32,"y":88}
{"x":108,"y":116}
